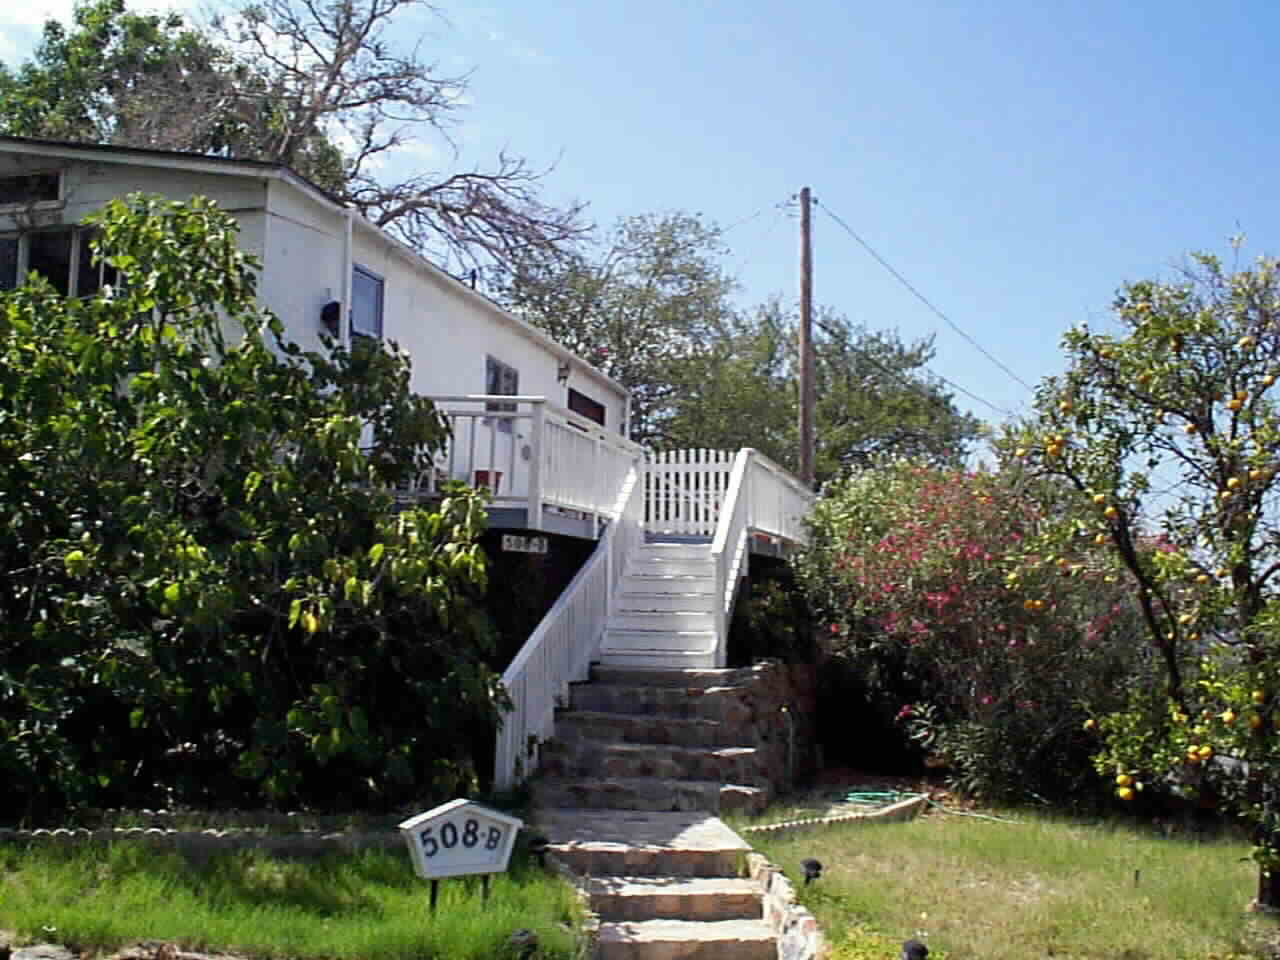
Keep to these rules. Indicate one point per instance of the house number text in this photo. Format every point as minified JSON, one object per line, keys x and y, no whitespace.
{"x":449,"y":836}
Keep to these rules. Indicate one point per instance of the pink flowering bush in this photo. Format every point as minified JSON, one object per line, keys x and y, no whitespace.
{"x":979,"y":618}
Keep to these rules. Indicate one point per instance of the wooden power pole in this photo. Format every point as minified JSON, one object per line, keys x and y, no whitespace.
{"x":806,"y":342}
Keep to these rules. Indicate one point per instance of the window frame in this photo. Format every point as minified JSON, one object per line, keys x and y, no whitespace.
{"x":80,"y":239}
{"x":358,"y":270}
{"x":586,"y":407}
{"x":493,"y":367}
{"x":17,"y":206}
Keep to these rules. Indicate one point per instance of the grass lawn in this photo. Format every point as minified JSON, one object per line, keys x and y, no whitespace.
{"x":369,"y":906}
{"x":1043,"y":887}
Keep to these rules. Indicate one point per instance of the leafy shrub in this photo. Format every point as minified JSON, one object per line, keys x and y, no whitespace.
{"x":207,"y":594}
{"x":934,"y":587}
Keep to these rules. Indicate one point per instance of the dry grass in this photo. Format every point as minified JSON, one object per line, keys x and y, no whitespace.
{"x":1043,"y":887}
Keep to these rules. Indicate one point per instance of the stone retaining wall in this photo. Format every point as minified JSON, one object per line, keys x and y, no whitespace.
{"x":796,"y":928}
{"x":784,"y":737}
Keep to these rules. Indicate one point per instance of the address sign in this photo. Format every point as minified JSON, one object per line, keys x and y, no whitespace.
{"x":458,"y":838}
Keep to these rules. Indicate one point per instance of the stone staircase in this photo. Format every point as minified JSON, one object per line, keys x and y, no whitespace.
{"x":642,"y":762}
{"x":664,"y":614}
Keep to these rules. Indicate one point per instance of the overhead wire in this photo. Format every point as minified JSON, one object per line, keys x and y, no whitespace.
{"x":920,"y":296}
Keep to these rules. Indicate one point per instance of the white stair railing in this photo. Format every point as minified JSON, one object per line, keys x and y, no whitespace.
{"x":562,"y":646}
{"x":684,"y":490}
{"x":729,"y":548}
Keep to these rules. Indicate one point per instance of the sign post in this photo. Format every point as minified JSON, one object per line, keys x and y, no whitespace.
{"x":458,"y":838}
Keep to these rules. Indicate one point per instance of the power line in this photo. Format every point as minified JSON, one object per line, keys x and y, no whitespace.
{"x":922,"y":298}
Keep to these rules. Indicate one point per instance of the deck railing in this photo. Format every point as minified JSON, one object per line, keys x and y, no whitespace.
{"x":684,"y":490}
{"x":530,"y":453}
{"x":562,"y":646}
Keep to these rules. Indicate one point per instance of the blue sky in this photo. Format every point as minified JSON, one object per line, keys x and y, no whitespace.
{"x":1014,"y":161}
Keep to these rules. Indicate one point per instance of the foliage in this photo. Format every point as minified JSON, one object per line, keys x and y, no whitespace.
{"x":1169,"y":427}
{"x":641,"y":309}
{"x":320,"y":87}
{"x":988,"y":654}
{"x":874,"y":399}
{"x":366,"y":906}
{"x":205,"y":587}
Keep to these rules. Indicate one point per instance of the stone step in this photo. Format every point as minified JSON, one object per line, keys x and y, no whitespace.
{"x":673,"y":621}
{"x":674,"y":898}
{"x":588,"y":758}
{"x":648,"y":793}
{"x":643,"y":602}
{"x":726,"y":704}
{"x":675,"y":548}
{"x":664,"y":562}
{"x":639,"y":843}
{"x":686,"y":940}
{"x":572,"y":725}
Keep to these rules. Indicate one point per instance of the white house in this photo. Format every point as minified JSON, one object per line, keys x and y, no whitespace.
{"x":540,"y":427}
{"x":553,"y":457}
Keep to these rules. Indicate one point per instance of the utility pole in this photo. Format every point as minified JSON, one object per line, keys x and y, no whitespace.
{"x":806,"y":343}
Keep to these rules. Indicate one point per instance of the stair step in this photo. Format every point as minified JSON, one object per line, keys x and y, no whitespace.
{"x":673,"y":548}
{"x":672,"y":621}
{"x":667,"y":898}
{"x":688,"y":567}
{"x":653,"y":582}
{"x":665,"y":601}
{"x":654,"y":728}
{"x":622,"y":761}
{"x":642,"y":843}
{"x":649,"y":793}
{"x":702,"y":679}
{"x":726,"y":704}
{"x":686,"y":940}
{"x":658,"y":658}
{"x":680,"y":641}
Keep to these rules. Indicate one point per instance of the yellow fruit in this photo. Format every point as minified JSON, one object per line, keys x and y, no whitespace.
{"x":1179,"y":718}
{"x":1100,"y":539}
{"x":1205,"y":752}
{"x":1125,"y":793}
{"x":1065,"y":406}
{"x":1233,"y":482}
{"x":1255,"y":722}
{"x":1185,"y":619}
{"x":1228,"y":717}
{"x":1259,"y":696}
{"x":1123,"y":780}
{"x":1203,"y":578}
{"x":310,"y":623}
{"x":1235,"y":404}
{"x":1268,"y":380}
{"x":1053,"y":449}
{"x":1244,"y":343}
{"x":1190,"y":428}
{"x":1111,"y":513}
{"x":1242,"y":394}
{"x":1255,"y":474}
{"x":1099,"y":498}
{"x":1090,"y":723}
{"x":1020,"y":452}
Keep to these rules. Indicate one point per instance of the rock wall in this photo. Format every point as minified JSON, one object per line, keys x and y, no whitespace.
{"x":778,"y":713}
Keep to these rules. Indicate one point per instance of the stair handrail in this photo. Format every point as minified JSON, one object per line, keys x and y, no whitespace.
{"x":566,"y":640}
{"x":729,"y":547}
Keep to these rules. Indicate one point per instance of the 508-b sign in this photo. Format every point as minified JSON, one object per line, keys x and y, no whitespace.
{"x":450,"y":837}
{"x":460,"y":837}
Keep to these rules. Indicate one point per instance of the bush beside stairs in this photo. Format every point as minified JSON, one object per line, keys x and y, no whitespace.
{"x":643,"y":761}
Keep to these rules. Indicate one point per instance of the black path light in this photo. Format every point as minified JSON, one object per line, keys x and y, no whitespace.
{"x":913,"y":949}
{"x":812,"y":869}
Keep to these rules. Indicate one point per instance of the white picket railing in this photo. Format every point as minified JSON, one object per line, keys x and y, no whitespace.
{"x":684,"y":490}
{"x":530,"y":453}
{"x":561,"y":648}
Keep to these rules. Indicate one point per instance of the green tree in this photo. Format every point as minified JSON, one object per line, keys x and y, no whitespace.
{"x":207,"y":593}
{"x":650,"y":301}
{"x":875,"y":399}
{"x":321,"y":88}
{"x":1168,"y":425}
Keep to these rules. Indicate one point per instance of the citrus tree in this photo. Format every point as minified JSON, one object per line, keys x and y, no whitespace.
{"x":1167,"y":425}
{"x":207,"y":592}
{"x":938,"y":586}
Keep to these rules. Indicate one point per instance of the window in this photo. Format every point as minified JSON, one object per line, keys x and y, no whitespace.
{"x":27,"y":188}
{"x":584,"y":406}
{"x":63,"y":257}
{"x":504,"y":381}
{"x":366,"y":303}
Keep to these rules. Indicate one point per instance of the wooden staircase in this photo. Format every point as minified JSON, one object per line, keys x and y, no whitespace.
{"x":665,"y":609}
{"x":643,"y":760}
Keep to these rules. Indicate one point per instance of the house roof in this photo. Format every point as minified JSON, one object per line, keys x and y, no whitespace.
{"x":201,"y":163}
